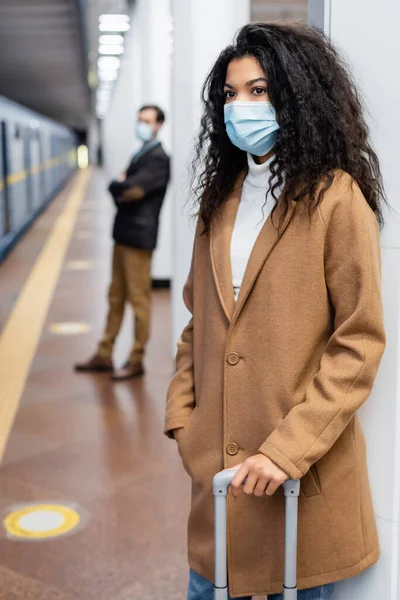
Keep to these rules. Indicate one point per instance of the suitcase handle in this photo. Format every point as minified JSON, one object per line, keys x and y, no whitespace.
{"x":221,"y":483}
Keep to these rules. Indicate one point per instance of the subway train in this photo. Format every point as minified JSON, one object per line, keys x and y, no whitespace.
{"x":37,"y":155}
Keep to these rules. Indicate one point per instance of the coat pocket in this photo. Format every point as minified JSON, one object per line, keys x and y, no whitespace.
{"x":310,"y":484}
{"x":184,"y":444}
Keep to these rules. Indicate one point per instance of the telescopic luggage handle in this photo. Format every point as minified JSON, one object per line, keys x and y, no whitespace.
{"x":221,"y":483}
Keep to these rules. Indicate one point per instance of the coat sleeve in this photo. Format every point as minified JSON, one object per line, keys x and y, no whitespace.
{"x":351,"y":358}
{"x":152,"y":176}
{"x":181,"y":394}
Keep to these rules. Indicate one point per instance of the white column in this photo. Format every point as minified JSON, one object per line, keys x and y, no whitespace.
{"x":156,"y":64}
{"x":118,"y":127}
{"x":202,"y":28}
{"x":144,"y":78}
{"x":368,"y":34}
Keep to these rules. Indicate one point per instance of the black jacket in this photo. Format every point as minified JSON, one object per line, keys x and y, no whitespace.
{"x":136,"y":222}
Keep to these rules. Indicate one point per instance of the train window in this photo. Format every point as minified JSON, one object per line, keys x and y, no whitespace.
{"x":17,"y":131}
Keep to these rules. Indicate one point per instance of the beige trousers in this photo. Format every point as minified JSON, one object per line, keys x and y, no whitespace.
{"x":131,"y":281}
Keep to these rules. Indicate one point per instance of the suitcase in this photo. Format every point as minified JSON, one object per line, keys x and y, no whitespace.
{"x":221,"y":483}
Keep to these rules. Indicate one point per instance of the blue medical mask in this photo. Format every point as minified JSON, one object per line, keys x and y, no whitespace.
{"x":251,"y":126}
{"x":144,"y":131}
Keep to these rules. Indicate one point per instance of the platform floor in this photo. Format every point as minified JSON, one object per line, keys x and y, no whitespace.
{"x":80,"y":438}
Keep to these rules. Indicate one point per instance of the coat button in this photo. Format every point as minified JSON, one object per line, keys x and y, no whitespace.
{"x":232,"y":449}
{"x":233,"y":358}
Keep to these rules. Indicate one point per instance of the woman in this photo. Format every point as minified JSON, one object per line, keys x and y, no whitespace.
{"x":287,"y":330}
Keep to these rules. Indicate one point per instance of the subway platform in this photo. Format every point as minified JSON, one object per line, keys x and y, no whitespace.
{"x":88,"y":451}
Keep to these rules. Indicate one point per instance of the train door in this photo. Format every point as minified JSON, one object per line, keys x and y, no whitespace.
{"x":17,"y":177}
{"x":42,"y":166}
{"x":46,"y":164}
{"x":36,"y":188}
{"x":56,"y":161}
{"x":27,"y":135}
{"x":53,"y":169}
{"x":4,"y":201}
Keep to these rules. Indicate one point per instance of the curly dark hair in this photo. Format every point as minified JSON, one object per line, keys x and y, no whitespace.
{"x":320,"y":114}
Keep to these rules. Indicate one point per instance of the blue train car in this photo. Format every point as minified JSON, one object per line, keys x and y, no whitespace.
{"x":37,"y":155}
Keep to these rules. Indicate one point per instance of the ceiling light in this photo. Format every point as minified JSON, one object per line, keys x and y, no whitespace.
{"x":105,"y":85}
{"x":111,"y":39}
{"x":108,"y":70}
{"x":116,"y":27}
{"x":113,"y":17}
{"x":104,"y":99}
{"x":108,"y":62}
{"x":111,"y":49}
{"x":107,"y":75}
{"x":114,"y":23}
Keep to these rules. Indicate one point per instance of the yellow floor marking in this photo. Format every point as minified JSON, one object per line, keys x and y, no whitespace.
{"x":41,"y":521}
{"x":69,"y":328}
{"x":21,"y":334}
{"x":79,"y":265}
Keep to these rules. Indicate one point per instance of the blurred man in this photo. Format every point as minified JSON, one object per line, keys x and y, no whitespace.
{"x":138,"y":196}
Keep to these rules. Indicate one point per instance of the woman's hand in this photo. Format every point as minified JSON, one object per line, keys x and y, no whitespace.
{"x":263,"y":477}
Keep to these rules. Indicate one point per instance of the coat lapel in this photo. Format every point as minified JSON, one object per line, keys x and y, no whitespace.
{"x":220,"y":246}
{"x":267,"y":239}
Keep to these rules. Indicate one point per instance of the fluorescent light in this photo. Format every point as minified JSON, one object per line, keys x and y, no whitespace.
{"x":105,"y":85}
{"x":107,"y":75}
{"x":116,"y":27}
{"x":103,"y":93}
{"x":114,"y":23}
{"x":111,"y":49}
{"x":108,"y":62}
{"x":111,"y":39}
{"x":113,"y":17}
{"x":108,"y":71}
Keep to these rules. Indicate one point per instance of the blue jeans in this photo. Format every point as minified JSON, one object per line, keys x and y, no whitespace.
{"x":201,"y":589}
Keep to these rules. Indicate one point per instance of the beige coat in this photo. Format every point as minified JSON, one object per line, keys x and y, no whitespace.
{"x":283,"y":372}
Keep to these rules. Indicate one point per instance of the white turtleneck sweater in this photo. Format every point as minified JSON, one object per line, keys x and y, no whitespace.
{"x":254,"y":209}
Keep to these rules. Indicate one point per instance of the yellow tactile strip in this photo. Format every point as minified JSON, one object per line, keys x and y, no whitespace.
{"x":22,"y":331}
